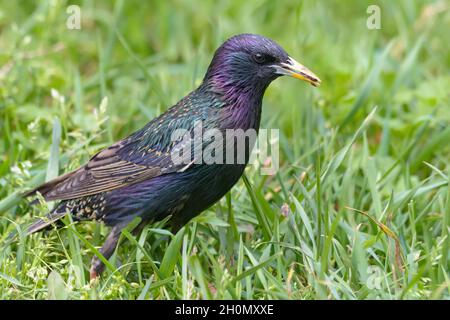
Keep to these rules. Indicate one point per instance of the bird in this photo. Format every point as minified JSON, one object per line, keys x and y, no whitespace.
{"x":137,"y":177}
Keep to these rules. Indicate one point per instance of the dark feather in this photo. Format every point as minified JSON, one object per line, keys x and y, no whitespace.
{"x":136,"y":176}
{"x":105,"y":171}
{"x":43,"y":223}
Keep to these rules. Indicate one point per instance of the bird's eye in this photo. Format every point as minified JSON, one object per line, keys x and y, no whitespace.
{"x":259,"y":58}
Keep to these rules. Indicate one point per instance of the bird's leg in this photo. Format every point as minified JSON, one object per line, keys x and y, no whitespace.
{"x":110,"y":244}
{"x":138,"y":229}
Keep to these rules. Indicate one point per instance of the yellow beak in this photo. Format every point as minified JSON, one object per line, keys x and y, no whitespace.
{"x":294,"y":69}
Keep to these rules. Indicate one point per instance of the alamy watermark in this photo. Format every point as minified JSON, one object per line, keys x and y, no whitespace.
{"x":226,"y":146}
{"x":373,"y":21}
{"x":73,"y":21}
{"x":375,"y":277}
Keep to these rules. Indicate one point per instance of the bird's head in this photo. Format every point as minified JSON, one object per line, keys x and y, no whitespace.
{"x":252,"y":62}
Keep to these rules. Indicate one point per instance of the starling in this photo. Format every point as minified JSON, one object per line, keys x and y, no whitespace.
{"x":138,"y":177}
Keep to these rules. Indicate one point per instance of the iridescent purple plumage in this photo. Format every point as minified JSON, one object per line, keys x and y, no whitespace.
{"x":136,"y":176}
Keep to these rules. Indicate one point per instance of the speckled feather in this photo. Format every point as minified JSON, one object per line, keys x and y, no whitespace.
{"x":227,"y":99}
{"x":136,"y":177}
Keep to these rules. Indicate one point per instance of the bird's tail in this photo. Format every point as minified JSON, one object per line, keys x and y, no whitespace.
{"x":40,"y":223}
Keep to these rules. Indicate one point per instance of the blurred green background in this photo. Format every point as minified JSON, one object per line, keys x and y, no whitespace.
{"x":145,"y":56}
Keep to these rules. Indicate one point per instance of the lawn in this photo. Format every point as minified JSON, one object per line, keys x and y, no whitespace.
{"x":359,"y":208}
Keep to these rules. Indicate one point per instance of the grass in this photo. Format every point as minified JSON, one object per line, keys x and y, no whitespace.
{"x":359,"y":209}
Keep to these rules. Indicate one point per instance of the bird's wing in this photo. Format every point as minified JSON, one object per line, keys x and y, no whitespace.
{"x":141,"y":156}
{"x":105,"y":171}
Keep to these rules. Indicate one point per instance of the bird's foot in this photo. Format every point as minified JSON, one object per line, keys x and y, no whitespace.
{"x":93,"y":275}
{"x":97,"y":267}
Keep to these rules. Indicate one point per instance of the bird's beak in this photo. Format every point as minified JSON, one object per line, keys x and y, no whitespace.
{"x":294,"y":69}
